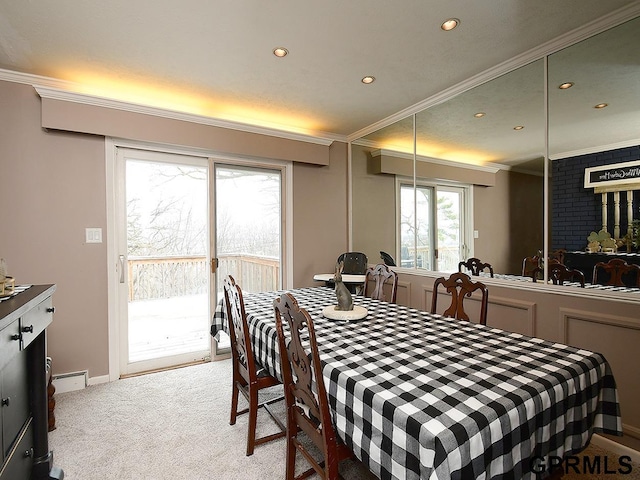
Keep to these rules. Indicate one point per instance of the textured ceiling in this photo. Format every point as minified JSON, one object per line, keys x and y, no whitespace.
{"x":213,"y":57}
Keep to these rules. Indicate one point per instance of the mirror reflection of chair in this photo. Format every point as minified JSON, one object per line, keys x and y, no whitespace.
{"x":307,"y":406}
{"x":538,"y":272}
{"x":460,"y":285}
{"x":475,"y":266}
{"x":617,"y":273}
{"x":376,"y":278}
{"x":558,"y":255}
{"x":248,"y":376}
{"x":559,"y":273}
{"x":531,"y":267}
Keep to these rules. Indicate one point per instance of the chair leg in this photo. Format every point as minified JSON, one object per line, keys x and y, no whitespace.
{"x":331,"y":469}
{"x":234,"y":403}
{"x":253,"y":420}
{"x":291,"y":459}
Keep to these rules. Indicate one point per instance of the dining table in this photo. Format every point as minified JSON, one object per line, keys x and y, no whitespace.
{"x":417,"y":395}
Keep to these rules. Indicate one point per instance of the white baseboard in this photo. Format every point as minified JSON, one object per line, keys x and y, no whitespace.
{"x":616,"y":447}
{"x":99,"y":380}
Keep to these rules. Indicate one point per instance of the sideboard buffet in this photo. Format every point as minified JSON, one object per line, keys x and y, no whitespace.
{"x":24,"y":318}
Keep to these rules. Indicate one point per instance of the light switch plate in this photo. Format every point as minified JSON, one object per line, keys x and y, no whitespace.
{"x":93,"y":235}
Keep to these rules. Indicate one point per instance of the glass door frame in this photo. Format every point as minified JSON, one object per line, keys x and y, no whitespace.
{"x":286,"y":228}
{"x":123,"y":156}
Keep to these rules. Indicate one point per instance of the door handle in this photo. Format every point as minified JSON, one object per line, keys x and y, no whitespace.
{"x":214,"y":265}
{"x":121,"y":260}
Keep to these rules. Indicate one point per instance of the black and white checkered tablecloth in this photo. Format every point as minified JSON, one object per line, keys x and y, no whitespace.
{"x":417,"y":395}
{"x":589,"y":286}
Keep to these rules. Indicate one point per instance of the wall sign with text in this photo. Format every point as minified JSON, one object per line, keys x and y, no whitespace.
{"x":627,"y":174}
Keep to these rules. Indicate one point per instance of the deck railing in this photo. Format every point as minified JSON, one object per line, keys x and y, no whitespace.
{"x":164,"y":277}
{"x":252,"y":272}
{"x":448,"y":258}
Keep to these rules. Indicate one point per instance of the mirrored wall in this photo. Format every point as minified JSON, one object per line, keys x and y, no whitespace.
{"x":491,"y":140}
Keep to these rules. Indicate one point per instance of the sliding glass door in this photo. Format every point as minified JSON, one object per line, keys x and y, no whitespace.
{"x":163,"y":256}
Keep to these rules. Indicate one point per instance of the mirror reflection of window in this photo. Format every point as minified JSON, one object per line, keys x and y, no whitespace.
{"x":407,"y":223}
{"x":433,"y":234}
{"x":451,"y":222}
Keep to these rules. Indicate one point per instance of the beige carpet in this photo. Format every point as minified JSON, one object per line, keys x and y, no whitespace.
{"x":175,"y":425}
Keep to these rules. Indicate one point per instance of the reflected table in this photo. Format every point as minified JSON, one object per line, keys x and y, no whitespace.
{"x":417,"y":395}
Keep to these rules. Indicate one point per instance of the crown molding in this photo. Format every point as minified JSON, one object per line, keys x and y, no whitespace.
{"x":56,"y":89}
{"x":596,"y":149}
{"x":68,"y":96}
{"x":487,"y":167}
{"x":30,"y":79}
{"x":570,"y":38}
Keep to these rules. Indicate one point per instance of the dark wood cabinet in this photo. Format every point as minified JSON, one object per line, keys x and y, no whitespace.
{"x":23,"y":386}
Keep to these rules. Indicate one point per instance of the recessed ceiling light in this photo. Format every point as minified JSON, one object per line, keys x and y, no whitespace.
{"x":519,"y":127}
{"x":280,"y":52}
{"x":479,"y":114}
{"x":368,"y":79}
{"x":450,"y":24}
{"x":565,"y":85}
{"x":601,"y":105}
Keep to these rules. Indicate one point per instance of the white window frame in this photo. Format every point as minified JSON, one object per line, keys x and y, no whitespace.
{"x":466,"y":247}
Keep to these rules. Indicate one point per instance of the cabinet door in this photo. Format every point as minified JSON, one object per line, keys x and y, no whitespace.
{"x":9,"y":348}
{"x":15,"y":399}
{"x":20,"y":465}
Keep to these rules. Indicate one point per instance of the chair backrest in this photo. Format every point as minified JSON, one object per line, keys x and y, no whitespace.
{"x":560,"y":273}
{"x":307,"y":408}
{"x":558,"y":255}
{"x":460,"y":285}
{"x":387,"y":259}
{"x":531,"y":266}
{"x":376,"y":278}
{"x":617,"y":271}
{"x":239,"y":330}
{"x":475,"y":266}
{"x":355,"y":263}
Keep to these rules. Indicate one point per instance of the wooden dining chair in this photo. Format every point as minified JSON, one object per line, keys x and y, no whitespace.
{"x":305,"y":394}
{"x":560,"y":273}
{"x":460,"y":286}
{"x":618,"y":273}
{"x":375,"y":280}
{"x":475,"y":266}
{"x":248,"y":376}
